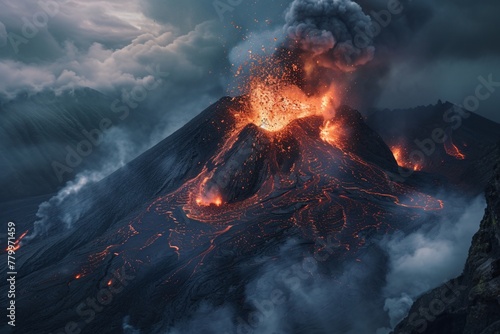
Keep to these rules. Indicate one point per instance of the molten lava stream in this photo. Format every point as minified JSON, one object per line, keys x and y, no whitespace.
{"x":17,"y":243}
{"x":452,"y":150}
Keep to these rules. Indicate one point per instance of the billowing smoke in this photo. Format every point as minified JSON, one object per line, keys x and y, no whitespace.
{"x":329,"y":32}
{"x":320,"y":44}
{"x":291,"y":295}
{"x":62,"y":210}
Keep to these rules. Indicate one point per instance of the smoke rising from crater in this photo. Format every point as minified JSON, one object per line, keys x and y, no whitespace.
{"x":327,"y":32}
{"x":320,"y":43}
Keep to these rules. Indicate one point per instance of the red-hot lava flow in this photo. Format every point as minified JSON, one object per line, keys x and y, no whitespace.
{"x":452,"y":150}
{"x":17,"y":243}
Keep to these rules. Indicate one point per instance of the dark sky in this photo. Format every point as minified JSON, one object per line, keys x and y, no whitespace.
{"x":432,"y":50}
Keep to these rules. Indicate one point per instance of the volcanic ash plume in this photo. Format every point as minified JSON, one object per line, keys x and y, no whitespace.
{"x":310,"y":68}
{"x":329,"y":33}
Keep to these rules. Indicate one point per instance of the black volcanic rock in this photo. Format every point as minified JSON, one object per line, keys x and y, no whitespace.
{"x":252,"y":157}
{"x":363,"y":139}
{"x":472,"y":304}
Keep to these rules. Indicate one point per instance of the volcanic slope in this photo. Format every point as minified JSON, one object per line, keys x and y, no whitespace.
{"x":187,"y":219}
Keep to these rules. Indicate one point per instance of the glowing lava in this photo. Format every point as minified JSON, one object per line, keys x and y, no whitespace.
{"x":452,"y":150}
{"x":208,"y":197}
{"x":17,"y":243}
{"x":400,"y":154}
{"x":330,"y":133}
{"x":274,"y":103}
{"x":267,"y":174}
{"x":204,"y":201}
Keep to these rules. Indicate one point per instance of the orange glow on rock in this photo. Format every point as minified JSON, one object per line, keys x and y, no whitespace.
{"x":210,"y":199}
{"x":398,"y":155}
{"x":330,"y":132}
{"x":401,"y":156}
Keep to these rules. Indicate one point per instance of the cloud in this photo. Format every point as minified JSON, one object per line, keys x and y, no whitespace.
{"x":430,"y":256}
{"x":449,"y":80}
{"x":3,"y":35}
{"x":48,"y":25}
{"x":235,"y":16}
{"x":185,"y":57}
{"x":423,"y":37}
{"x":187,"y":68}
{"x":327,"y":30}
{"x":443,"y":46}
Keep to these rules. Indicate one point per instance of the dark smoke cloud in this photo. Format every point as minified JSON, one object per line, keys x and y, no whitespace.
{"x":320,"y":42}
{"x":326,"y":30}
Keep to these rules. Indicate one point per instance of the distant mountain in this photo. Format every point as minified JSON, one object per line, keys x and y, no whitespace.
{"x":453,"y":143}
{"x":39,"y":133}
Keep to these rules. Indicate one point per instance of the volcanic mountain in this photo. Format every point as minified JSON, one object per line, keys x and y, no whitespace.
{"x":195,"y":221}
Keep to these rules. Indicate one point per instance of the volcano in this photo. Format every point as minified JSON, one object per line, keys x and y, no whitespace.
{"x":192,"y":222}
{"x":278,"y":210}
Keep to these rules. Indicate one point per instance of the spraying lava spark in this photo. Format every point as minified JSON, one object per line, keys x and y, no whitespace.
{"x":275,"y":104}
